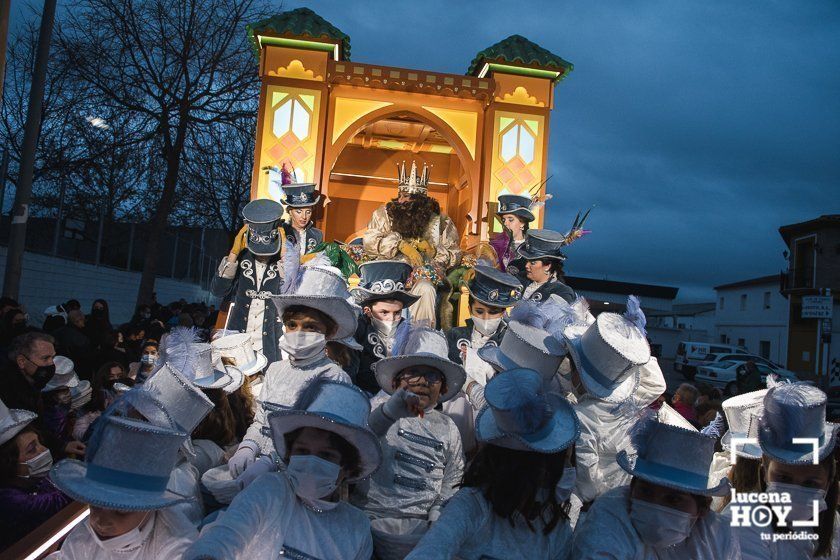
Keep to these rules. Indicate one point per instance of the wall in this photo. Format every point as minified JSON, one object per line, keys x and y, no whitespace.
{"x":754,"y":323}
{"x":49,"y":281}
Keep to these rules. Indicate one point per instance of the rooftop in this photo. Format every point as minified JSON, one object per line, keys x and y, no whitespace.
{"x":826,"y":220}
{"x":762,"y":280}
{"x":301,"y":23}
{"x":686,"y":310}
{"x":624,"y":288}
{"x":518,"y":50}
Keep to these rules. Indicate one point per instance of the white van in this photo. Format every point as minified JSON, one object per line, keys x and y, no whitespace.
{"x":689,"y":353}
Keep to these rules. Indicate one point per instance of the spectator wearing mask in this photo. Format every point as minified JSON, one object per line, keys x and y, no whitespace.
{"x":514,"y":502}
{"x":316,"y":311}
{"x":133,"y":337}
{"x":126,"y":521}
{"x":683,"y":401}
{"x":142,"y":316}
{"x":149,"y":353}
{"x":72,"y":305}
{"x":71,"y":341}
{"x":791,"y":411}
{"x":423,"y":454}
{"x":98,"y":323}
{"x":299,"y":513}
{"x":664,"y":513}
{"x":27,"y":496}
{"x":382,"y":295}
{"x":32,"y":366}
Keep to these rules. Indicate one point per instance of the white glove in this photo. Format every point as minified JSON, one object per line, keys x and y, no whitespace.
{"x":477,"y":369}
{"x":262,"y":465}
{"x":245,"y":455}
{"x":434,"y":514}
{"x":402,"y":404}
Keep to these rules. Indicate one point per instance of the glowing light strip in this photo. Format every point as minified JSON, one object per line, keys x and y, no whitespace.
{"x":58,"y":535}
{"x":299,"y":43}
{"x":504,"y":68}
{"x":391,"y":179}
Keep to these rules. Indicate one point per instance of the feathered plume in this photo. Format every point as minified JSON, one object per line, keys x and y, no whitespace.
{"x":635,"y":315}
{"x":538,"y":201}
{"x":285,"y":176}
{"x":774,"y":380}
{"x":291,"y":265}
{"x":401,"y":337}
{"x":577,"y":231}
{"x":177,"y":350}
{"x":641,"y":432}
{"x":529,"y":312}
{"x":716,"y":427}
{"x":318,"y":260}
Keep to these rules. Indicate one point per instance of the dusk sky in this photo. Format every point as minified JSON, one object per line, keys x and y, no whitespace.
{"x":696,"y":128}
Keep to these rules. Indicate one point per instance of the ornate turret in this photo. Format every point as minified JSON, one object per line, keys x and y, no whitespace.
{"x":300,"y":28}
{"x":518,"y":55}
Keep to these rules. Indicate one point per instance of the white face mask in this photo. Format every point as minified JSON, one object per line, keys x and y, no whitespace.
{"x":148,"y":359}
{"x":126,"y":540}
{"x":660,"y":526}
{"x":486,"y":326}
{"x":39,"y":465}
{"x":802,"y":500}
{"x":566,"y":484}
{"x":302,"y":345}
{"x":385,"y":327}
{"x":313,"y":479}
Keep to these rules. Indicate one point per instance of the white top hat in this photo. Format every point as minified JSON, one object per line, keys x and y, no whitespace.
{"x":796,"y":410}
{"x":12,"y":421}
{"x":128,"y":465}
{"x":81,"y":394}
{"x":322,"y":288}
{"x":672,"y":456}
{"x":238,"y":348}
{"x":65,"y":375}
{"x":608,"y":355}
{"x":742,"y":413}
{"x":419,"y":346}
{"x":336,"y":407}
{"x":194,"y":360}
{"x":185,"y":404}
{"x":524,"y":346}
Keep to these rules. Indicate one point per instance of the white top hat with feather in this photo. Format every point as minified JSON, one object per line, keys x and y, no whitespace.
{"x":195,"y":361}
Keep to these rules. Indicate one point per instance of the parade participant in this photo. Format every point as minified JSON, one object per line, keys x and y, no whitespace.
{"x":412,"y":229}
{"x":423,"y":456}
{"x":664,"y":511}
{"x":515,"y":214}
{"x":382,"y":295}
{"x":298,"y":513}
{"x":514,"y":499}
{"x":252,"y":273}
{"x":491,"y":292}
{"x":124,"y":480}
{"x":57,"y":417}
{"x":27,"y":496}
{"x":149,"y":353}
{"x":544,"y":265}
{"x":300,"y":200}
{"x":791,"y":411}
{"x":315,"y":309}
{"x":613,"y":376}
{"x":345,"y":353}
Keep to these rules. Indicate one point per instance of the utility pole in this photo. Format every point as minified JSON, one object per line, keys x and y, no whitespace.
{"x":23,"y":194}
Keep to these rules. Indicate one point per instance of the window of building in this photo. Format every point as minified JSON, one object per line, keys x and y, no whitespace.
{"x":764,"y":349}
{"x":742,"y":343}
{"x":743,"y":302}
{"x":723,"y":339}
{"x":766,"y":300}
{"x":720,"y":303}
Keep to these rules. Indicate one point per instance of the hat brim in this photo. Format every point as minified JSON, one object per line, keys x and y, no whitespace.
{"x":336,"y":308}
{"x":350,"y":343}
{"x":258,"y":365}
{"x":519,"y":212}
{"x":299,"y":205}
{"x":657,"y":474}
{"x":264,"y":249}
{"x":366,"y":297}
{"x":615,"y":393}
{"x":795,"y":457}
{"x":488,"y":302}
{"x":494,"y":356}
{"x":229,"y":380}
{"x":20,"y":419}
{"x":70,"y":477}
{"x":746,"y":450}
{"x":386,"y":368}
{"x":532,"y":256}
{"x":564,"y":430}
{"x":283,"y":422}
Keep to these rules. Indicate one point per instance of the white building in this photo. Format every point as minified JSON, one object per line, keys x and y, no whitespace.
{"x":753,"y":314}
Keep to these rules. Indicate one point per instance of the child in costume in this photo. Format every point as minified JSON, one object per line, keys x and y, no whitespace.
{"x":297,"y":513}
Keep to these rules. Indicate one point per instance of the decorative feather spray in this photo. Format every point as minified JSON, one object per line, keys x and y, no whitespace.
{"x":285,"y":176}
{"x":178,"y":352}
{"x":532,"y":414}
{"x":635,"y":315}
